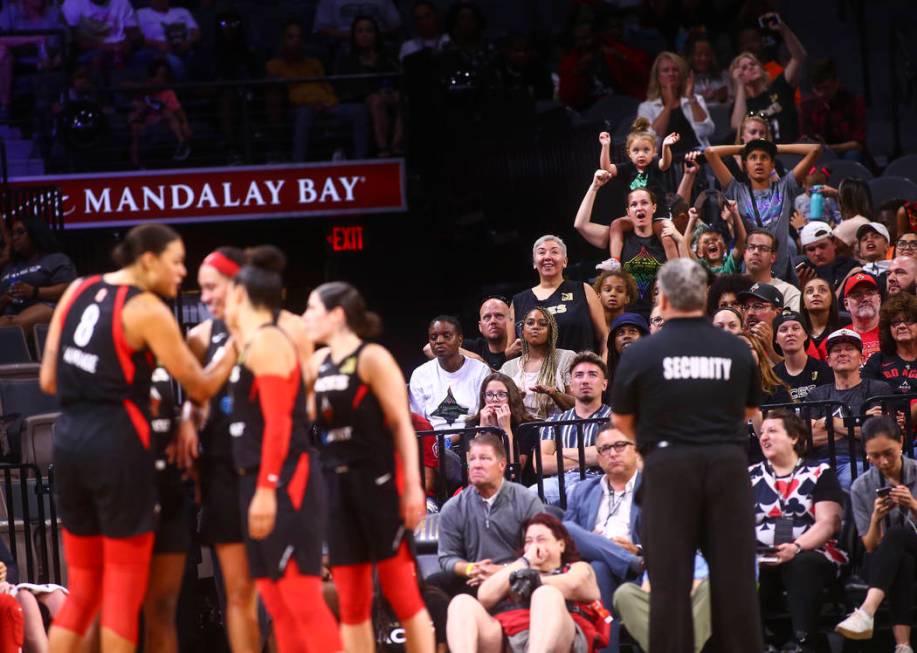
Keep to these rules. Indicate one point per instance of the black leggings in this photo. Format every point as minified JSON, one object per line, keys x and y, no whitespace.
{"x":804,"y":577}
{"x":891,"y":569}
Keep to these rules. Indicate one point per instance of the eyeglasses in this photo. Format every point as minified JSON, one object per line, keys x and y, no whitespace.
{"x":757,"y":306}
{"x":907,"y":321}
{"x":906,"y":244}
{"x":618,"y":446}
{"x":764,"y":249}
{"x":657,"y":321}
{"x":498,"y":394}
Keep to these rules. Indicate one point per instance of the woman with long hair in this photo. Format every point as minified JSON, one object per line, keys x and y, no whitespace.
{"x":897,"y":355}
{"x":711,"y":82}
{"x":105,"y":334}
{"x":819,"y":313}
{"x":774,"y":390}
{"x":542,"y":372}
{"x":370,"y":467}
{"x":502,"y":407}
{"x":854,"y":201}
{"x":281,"y":496}
{"x":672,"y":105}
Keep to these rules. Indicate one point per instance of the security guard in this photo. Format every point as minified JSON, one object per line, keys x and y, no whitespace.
{"x":686,"y":392}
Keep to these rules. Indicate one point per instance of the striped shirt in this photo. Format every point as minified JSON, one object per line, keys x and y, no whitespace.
{"x":568,"y":433}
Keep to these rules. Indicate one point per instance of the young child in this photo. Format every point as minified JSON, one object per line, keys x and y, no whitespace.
{"x":644,"y":170}
{"x":710,"y":247}
{"x":154,"y":107}
{"x":818,"y":177}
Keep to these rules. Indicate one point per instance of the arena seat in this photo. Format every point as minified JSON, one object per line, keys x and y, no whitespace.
{"x":21,"y":398}
{"x":892,"y":188}
{"x":905,"y":166}
{"x":39,"y":335}
{"x":37,"y":440}
{"x":841,"y":169}
{"x":19,"y":371}
{"x":13,"y":347}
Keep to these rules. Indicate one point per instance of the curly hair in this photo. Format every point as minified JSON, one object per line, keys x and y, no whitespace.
{"x":518,"y":411}
{"x":902,"y":303}
{"x":630,"y":285}
{"x":726,"y":283}
{"x":559,"y":531}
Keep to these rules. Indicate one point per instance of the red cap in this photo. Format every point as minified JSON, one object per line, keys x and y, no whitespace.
{"x":857,"y":279}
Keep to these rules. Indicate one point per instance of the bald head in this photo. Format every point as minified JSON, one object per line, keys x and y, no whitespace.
{"x":902,"y":274}
{"x":493,"y":317}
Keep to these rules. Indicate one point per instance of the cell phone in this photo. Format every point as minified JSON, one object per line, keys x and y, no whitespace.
{"x":768,"y":21}
{"x":883,"y":492}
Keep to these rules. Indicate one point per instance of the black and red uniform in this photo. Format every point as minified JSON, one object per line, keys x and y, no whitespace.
{"x":281,"y":459}
{"x":220,"y":520}
{"x":103,"y":459}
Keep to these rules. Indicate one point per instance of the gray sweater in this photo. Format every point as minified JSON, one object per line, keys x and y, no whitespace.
{"x":863,"y":496}
{"x":468,"y":532}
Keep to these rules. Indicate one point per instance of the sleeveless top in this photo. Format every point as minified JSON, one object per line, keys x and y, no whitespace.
{"x":95,"y":364}
{"x":164,"y":412}
{"x":351,"y":420}
{"x":247,"y":425}
{"x":214,"y":437}
{"x":570,"y":309}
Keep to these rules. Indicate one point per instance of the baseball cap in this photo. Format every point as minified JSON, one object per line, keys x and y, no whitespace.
{"x":788,"y":316}
{"x":857,"y":279}
{"x":844,"y":335}
{"x":813,"y":232}
{"x":846,"y":231}
{"x":878,"y":227}
{"x":763,"y":291}
{"x":759,"y":144}
{"x":630,"y":319}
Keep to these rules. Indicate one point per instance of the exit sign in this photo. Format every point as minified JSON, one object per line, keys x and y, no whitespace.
{"x":346,"y":239}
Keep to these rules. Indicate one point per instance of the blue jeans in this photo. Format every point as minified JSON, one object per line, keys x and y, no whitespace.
{"x":841,"y":470}
{"x":355,"y":113}
{"x":552,"y":486}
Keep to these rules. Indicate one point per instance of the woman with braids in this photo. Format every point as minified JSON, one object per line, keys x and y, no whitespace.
{"x":281,"y":496}
{"x":369,"y":459}
{"x":542,"y":372}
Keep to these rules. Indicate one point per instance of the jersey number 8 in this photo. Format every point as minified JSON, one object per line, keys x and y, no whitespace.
{"x":87,"y":324}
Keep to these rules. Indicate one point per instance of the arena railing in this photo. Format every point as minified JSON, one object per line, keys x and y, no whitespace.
{"x":461,"y":436}
{"x":30,"y":511}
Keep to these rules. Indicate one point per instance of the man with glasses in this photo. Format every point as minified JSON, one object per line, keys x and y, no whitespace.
{"x":760,"y":256}
{"x":862,"y":299}
{"x":902,"y":272}
{"x":761,"y":304}
{"x":656,"y":319}
{"x":602,"y":516}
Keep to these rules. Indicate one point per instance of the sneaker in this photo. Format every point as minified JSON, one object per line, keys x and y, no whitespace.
{"x":858,"y":625}
{"x":182,"y":152}
{"x":609,"y":265}
{"x":903,"y":648}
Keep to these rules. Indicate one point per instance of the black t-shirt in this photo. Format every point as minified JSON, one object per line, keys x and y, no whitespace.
{"x":778,"y":104}
{"x":642,"y":257}
{"x":898,"y":373}
{"x":652,"y":178}
{"x":479,"y":347}
{"x":570,"y":308}
{"x":690,"y":383}
{"x":855,"y":400}
{"x":814,"y":374}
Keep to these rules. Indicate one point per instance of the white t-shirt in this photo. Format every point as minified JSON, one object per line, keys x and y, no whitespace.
{"x":339,"y":14}
{"x":172,"y":26}
{"x":537,"y":404}
{"x":447,"y":399}
{"x":106,"y":23}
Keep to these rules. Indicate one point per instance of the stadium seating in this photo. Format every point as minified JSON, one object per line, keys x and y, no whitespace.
{"x":13,"y":347}
{"x":21,"y":398}
{"x":39,"y":335}
{"x":905,"y":166}
{"x":892,"y":188}
{"x":841,"y":169}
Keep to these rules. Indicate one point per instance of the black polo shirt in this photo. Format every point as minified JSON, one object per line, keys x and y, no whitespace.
{"x":688,"y":384}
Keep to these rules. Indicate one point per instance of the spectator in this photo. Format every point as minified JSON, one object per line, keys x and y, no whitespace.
{"x":40,"y":52}
{"x":873,"y":240}
{"x":169,"y":32}
{"x":657,"y":320}
{"x":834,"y":115}
{"x":850,"y":390}
{"x":491,"y":347}
{"x":105,"y":31}
{"x":862,"y":299}
{"x":724,"y":292}
{"x":773,"y":389}
{"x":763,"y":202}
{"x":710,"y":248}
{"x":36,"y":276}
{"x":627,"y":329}
{"x":158,"y":106}
{"x":906,"y":221}
{"x":897,"y":345}
{"x":902,"y":274}
{"x":760,"y":256}
{"x":816,"y":181}
{"x":334,"y":18}
{"x":309,"y":100}
{"x":801,"y":372}
{"x":710,"y":81}
{"x":588,"y":382}
{"x":753,"y":127}
{"x":906,"y":245}
{"x":445,"y":390}
{"x":754,"y":91}
{"x":502,"y":407}
{"x":854,"y":201}
{"x":542,"y":372}
{"x":575,"y":305}
{"x":602,"y":516}
{"x":556,"y":607}
{"x":822,"y":259}
{"x":729,"y":319}
{"x":616,"y":290}
{"x":672,"y":105}
{"x":480,"y":529}
{"x":428,"y":31}
{"x":819,"y":315}
{"x":467,"y":62}
{"x":761,"y":304}
{"x":798,"y":507}
{"x":883,"y":511}
{"x":380,"y":95}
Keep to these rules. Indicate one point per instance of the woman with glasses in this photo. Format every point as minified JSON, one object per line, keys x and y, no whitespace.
{"x":820,"y":316}
{"x":502,"y":407}
{"x":798,"y":507}
{"x":906,"y":245}
{"x":884,"y":510}
{"x":896,"y":361}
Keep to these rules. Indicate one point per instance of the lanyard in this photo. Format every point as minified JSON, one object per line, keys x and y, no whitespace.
{"x":613,"y":506}
{"x":780,"y":498}
{"x":754,"y":205}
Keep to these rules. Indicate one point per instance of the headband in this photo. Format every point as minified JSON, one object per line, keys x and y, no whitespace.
{"x":222,"y":263}
{"x":822,"y":170}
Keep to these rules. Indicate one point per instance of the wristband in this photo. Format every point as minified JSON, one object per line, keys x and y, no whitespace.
{"x":798,"y":548}
{"x":524,"y":561}
{"x":469,"y":568}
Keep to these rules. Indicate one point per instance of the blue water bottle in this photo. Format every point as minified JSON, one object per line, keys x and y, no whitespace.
{"x":817,"y":204}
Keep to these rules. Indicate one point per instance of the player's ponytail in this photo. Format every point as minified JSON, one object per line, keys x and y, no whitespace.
{"x":144,"y":238}
{"x":262,"y":276}
{"x":364,"y":323}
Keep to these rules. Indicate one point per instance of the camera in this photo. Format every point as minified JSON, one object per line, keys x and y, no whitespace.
{"x":522,"y":583}
{"x":768,"y":21}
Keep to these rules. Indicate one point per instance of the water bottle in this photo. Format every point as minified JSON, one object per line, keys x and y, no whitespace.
{"x":817,"y":204}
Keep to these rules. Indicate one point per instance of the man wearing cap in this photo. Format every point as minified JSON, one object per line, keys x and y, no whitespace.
{"x":821,"y":257}
{"x":901,"y":275}
{"x":862,"y":299}
{"x":760,"y":256}
{"x":845,"y":356}
{"x":761,"y":304}
{"x":801,"y":372}
{"x":873,"y":240}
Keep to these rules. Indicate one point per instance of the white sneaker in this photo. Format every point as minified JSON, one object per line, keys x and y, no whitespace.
{"x":609,"y":265}
{"x":858,"y":625}
{"x":903,"y":648}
